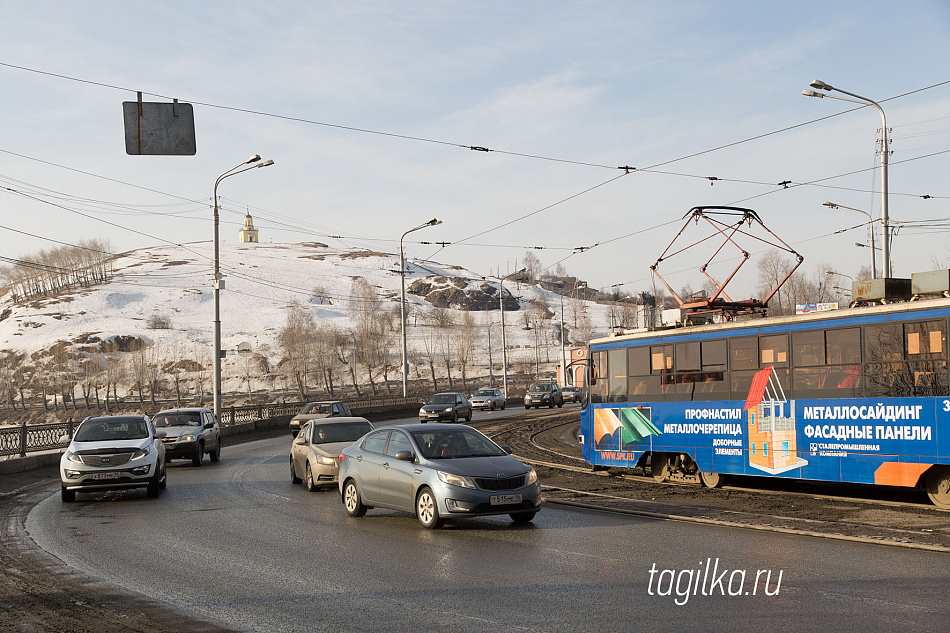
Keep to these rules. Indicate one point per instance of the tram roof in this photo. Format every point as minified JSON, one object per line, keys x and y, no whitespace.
{"x":831,"y":318}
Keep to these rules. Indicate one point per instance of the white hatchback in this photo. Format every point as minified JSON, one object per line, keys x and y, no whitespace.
{"x":111,"y":453}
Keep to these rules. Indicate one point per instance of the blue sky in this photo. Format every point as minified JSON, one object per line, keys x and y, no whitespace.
{"x":564,"y":92}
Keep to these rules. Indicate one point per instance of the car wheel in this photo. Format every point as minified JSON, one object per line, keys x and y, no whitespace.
{"x":551,"y":405}
{"x":492,"y":407}
{"x":468,"y":418}
{"x":216,"y":453}
{"x":560,"y":404}
{"x":427,"y":510}
{"x":455,"y":416}
{"x":164,"y":481}
{"x":311,"y":485}
{"x":523,"y":517}
{"x":502,"y":406}
{"x":351,"y":500}
{"x":154,"y":486}
{"x":294,"y":479}
{"x":68,"y":496}
{"x":527,"y":406}
{"x":199,"y":453}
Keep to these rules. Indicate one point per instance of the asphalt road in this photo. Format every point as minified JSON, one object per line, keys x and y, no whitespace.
{"x":236,"y":543}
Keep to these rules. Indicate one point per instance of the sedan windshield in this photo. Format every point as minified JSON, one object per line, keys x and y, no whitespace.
{"x":537,"y":388}
{"x":454,"y":444}
{"x":442,"y":398}
{"x":345,"y":432}
{"x":316,"y":408}
{"x":107,"y":430}
{"x":485,"y":392}
{"x":177,"y":419}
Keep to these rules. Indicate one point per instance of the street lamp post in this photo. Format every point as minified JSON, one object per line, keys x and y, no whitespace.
{"x":504,"y":334}
{"x":563,"y":360}
{"x":832,"y":205}
{"x":402,"y":303}
{"x":217,"y":281}
{"x":838,"y":289}
{"x":885,"y":225}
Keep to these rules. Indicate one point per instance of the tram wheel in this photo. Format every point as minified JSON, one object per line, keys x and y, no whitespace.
{"x":660,"y":466}
{"x":711,"y":480}
{"x":938,"y":487}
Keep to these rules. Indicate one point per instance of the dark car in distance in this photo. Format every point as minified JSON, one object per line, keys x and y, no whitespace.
{"x":189,"y":434}
{"x":543,"y":394}
{"x":446,"y":406}
{"x":319,"y":410}
{"x":571,"y":394}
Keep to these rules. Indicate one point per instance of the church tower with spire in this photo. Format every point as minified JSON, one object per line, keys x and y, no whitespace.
{"x":248,"y":234}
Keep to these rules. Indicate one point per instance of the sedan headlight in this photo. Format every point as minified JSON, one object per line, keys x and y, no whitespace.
{"x":142,"y":452}
{"x":457,"y":480}
{"x":326,"y":461}
{"x":448,"y":409}
{"x":531,"y":477}
{"x":73,"y":457}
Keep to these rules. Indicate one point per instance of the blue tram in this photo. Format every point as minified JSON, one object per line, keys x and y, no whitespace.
{"x":858,"y":395}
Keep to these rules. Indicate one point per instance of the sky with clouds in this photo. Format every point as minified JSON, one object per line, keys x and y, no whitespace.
{"x":369,"y":111}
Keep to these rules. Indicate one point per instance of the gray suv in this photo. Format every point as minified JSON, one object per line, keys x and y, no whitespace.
{"x":543,"y":394}
{"x":189,"y":434}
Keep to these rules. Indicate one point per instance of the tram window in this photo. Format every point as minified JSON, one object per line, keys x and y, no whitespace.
{"x":844,"y":346}
{"x":638,"y":361}
{"x":599,"y":364}
{"x":930,"y":378}
{"x":744,"y":352}
{"x":617,"y":372}
{"x":883,"y":343}
{"x":704,"y":385}
{"x":617,"y":363}
{"x":687,"y":356}
{"x":925,"y":340}
{"x":741,"y":384}
{"x":888,"y":379}
{"x":598,"y":387}
{"x":773,"y":350}
{"x":808,"y":348}
{"x":640,"y":386}
{"x":661,"y":358}
{"x":714,"y":356}
{"x":836,"y":381}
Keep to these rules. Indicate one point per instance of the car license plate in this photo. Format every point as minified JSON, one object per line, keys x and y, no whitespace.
{"x":105,"y":475}
{"x":501,"y":500}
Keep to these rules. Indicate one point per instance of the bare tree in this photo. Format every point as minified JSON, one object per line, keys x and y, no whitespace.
{"x":466,"y":341}
{"x":295,"y":339}
{"x":430,"y":341}
{"x":532,"y":266}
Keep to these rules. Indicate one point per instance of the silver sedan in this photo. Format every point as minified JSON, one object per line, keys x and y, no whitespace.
{"x":315,"y":451}
{"x":437,"y":472}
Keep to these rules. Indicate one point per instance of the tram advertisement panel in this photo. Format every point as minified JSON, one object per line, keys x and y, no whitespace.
{"x":856,"y":440}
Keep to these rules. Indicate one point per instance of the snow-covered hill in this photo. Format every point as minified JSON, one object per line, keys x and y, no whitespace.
{"x":163,"y":295}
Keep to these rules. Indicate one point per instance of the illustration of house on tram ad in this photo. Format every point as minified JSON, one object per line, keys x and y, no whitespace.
{"x":248,"y":234}
{"x":772,"y":444}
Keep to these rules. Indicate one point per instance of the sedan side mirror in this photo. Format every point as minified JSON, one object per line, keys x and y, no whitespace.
{"x":404,"y":456}
{"x":160,"y":435}
{"x":209,"y":425}
{"x":64,"y":439}
{"x":300,"y":441}
{"x":506,"y":448}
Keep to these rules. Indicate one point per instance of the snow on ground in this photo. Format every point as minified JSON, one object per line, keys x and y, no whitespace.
{"x":261,"y":282}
